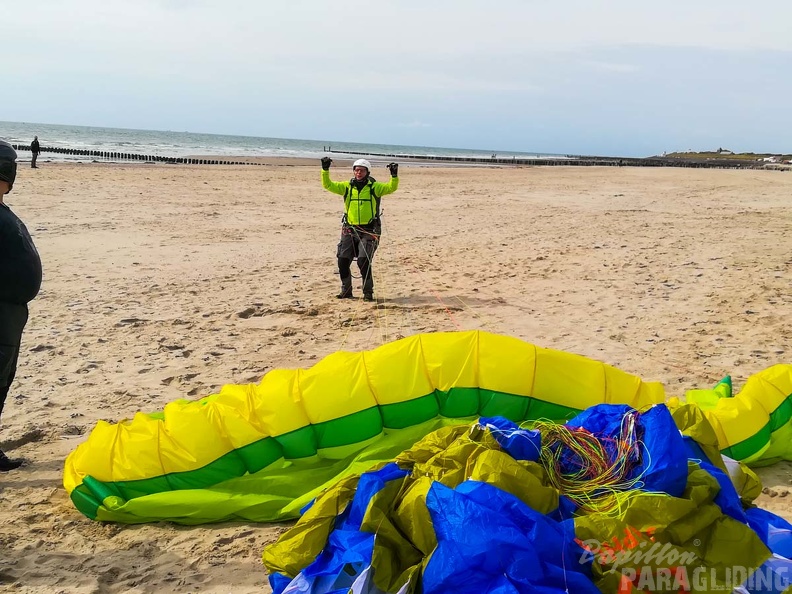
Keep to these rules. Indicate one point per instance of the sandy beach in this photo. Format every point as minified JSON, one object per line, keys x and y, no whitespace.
{"x":168,"y":281}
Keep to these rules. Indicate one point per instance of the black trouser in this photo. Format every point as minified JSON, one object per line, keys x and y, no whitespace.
{"x":33,"y":160}
{"x":361,"y":243}
{"x":13,"y":318}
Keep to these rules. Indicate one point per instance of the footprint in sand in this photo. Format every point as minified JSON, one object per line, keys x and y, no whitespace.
{"x":30,"y":435}
{"x":134,"y":322}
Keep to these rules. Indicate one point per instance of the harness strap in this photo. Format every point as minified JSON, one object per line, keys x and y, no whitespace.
{"x":372,"y":198}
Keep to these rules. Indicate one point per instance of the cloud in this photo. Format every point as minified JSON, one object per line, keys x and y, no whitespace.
{"x":433,"y":80}
{"x":414,"y":124}
{"x":572,"y":77}
{"x":612,"y":67}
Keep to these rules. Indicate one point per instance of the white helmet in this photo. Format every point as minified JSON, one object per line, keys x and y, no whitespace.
{"x":362,"y":163}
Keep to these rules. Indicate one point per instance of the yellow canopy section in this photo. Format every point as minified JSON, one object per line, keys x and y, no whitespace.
{"x":336,"y":408}
{"x":754,"y":425}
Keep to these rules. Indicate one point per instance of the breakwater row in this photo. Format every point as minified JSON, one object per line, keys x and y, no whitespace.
{"x":569,"y":161}
{"x":118,"y":156}
{"x":579,"y":161}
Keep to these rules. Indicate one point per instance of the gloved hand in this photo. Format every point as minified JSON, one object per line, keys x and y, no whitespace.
{"x":394,"y":169}
{"x":326,"y":163}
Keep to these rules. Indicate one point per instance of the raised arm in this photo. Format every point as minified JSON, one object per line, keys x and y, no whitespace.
{"x":382,"y":188}
{"x":328,"y":184}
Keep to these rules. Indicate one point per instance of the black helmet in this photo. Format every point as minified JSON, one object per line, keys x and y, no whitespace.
{"x":8,"y":164}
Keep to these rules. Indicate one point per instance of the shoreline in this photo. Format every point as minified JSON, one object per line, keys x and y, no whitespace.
{"x":422,"y":160}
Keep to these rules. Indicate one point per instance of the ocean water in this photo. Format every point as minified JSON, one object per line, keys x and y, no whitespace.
{"x":183,"y":144}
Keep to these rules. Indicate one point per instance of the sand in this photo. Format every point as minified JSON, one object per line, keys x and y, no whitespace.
{"x":166,"y":281}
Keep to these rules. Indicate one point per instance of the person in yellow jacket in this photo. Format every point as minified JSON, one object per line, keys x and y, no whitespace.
{"x":361,"y":227}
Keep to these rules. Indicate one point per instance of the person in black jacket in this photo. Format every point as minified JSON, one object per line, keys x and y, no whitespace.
{"x":35,"y":148}
{"x":20,"y":281}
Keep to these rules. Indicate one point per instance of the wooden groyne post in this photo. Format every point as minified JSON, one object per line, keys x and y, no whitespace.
{"x":119,"y":156}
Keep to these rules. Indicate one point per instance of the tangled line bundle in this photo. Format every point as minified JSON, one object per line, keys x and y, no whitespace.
{"x":598,"y":473}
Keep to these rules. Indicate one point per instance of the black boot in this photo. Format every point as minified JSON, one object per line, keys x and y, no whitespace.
{"x":346,"y":287}
{"x":7,"y":463}
{"x":368,"y":296}
{"x":346,"y":293}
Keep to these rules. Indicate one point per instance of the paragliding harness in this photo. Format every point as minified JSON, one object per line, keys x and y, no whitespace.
{"x":372,"y":229}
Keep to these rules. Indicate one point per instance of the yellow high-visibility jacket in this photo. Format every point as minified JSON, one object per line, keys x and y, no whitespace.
{"x":362,"y":206}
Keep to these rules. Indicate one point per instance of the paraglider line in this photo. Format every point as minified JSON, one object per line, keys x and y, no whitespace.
{"x":439,"y":299}
{"x":595,"y":471}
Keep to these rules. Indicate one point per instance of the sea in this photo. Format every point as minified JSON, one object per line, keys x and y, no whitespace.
{"x":183,"y":144}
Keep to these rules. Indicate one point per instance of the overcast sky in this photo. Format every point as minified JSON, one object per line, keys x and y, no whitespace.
{"x":621,"y":77}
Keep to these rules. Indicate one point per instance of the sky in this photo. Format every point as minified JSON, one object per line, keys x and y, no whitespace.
{"x":621,"y":77}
